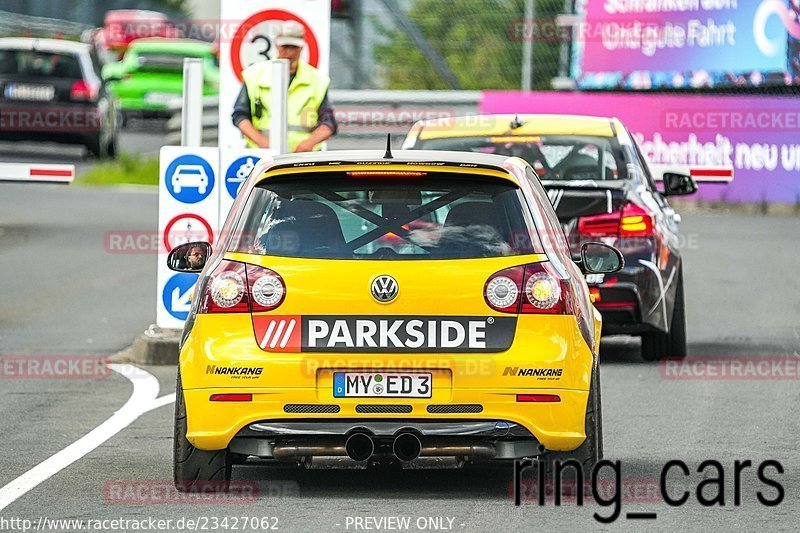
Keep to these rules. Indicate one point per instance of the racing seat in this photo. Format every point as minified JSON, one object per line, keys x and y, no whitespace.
{"x":474,"y":228}
{"x":303,"y":228}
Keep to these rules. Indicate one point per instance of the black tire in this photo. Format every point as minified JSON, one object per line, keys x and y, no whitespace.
{"x":196,"y":469}
{"x":658,"y":346}
{"x":95,"y":147}
{"x":590,"y":452}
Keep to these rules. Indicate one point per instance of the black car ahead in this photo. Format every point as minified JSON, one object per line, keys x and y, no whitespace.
{"x":603,"y":190}
{"x":51,"y":90}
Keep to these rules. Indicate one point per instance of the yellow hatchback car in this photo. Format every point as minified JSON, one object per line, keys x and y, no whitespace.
{"x":359,"y":308}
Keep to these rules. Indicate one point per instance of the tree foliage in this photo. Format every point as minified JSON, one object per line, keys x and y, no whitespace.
{"x":477,"y":40}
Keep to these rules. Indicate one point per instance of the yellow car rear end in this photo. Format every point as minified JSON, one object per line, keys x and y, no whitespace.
{"x":363,"y":312}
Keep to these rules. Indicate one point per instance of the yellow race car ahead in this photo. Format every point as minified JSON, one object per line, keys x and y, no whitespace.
{"x":363,"y":307}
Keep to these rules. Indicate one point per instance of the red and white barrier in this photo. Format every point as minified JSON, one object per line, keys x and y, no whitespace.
{"x":35,"y":172}
{"x":700,"y":173}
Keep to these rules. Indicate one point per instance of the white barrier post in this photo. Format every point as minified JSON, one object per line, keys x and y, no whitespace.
{"x":280,"y":93}
{"x":192,"y":115}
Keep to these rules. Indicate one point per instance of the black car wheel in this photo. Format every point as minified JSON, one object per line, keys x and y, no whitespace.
{"x":196,"y":469}
{"x":658,"y":346}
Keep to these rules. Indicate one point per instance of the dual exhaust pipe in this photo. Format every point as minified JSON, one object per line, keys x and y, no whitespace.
{"x":406,"y":447}
{"x":360,"y":447}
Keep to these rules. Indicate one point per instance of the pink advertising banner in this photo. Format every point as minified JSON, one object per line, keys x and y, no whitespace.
{"x":758,"y":135}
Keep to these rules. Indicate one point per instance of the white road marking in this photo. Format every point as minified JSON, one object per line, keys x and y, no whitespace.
{"x":143,"y":399}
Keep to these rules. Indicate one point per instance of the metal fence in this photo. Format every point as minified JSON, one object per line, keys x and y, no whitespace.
{"x":363,"y":116}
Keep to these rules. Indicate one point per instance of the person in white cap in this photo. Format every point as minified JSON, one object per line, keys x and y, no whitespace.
{"x":310,"y":116}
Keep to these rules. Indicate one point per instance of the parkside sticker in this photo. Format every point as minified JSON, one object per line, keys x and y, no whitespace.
{"x":440,"y":334}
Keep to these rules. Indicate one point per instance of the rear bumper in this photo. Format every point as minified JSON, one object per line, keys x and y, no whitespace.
{"x":482,"y":439}
{"x":628,"y":301}
{"x":278,"y":413}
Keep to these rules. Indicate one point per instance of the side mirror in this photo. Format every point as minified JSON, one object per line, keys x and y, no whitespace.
{"x":678,"y":184}
{"x":189,"y":257}
{"x":599,"y":258}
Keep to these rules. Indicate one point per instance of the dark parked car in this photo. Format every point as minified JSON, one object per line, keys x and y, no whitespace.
{"x":51,"y":90}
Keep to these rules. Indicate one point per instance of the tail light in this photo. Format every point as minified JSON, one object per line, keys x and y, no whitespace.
{"x":238,"y":288}
{"x":632,"y":221}
{"x":83,"y":92}
{"x":267,"y":289}
{"x":528,"y":289}
{"x":226,"y":290}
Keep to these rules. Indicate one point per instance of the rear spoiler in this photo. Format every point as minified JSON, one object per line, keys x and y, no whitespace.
{"x":699,"y":173}
{"x":38,"y":173}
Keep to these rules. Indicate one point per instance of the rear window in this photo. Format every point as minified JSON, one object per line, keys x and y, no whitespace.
{"x":39,"y":64}
{"x":553,"y":157}
{"x":441,"y":217}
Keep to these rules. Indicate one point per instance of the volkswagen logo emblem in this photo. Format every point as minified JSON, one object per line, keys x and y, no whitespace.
{"x":384,"y":288}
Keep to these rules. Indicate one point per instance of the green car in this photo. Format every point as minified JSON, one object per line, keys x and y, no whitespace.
{"x":150,"y":75}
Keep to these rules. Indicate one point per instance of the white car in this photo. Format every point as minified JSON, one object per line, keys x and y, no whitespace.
{"x":190,"y":176}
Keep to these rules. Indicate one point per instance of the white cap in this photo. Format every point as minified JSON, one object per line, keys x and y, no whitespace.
{"x":292,"y":33}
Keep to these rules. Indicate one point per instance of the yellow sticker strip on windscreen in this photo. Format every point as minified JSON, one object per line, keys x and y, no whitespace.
{"x":393,"y":168}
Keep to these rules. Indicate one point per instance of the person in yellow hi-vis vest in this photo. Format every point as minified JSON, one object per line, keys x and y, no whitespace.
{"x":309,"y":116}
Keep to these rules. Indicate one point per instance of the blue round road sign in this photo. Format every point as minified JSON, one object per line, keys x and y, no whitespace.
{"x":237,"y":173}
{"x":189,"y":179}
{"x":177,"y":294}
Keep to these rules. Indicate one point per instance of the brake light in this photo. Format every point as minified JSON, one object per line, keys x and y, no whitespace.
{"x":503,"y":288}
{"x":544,"y":291}
{"x":386,"y":174}
{"x":238,"y":288}
{"x":225,"y":291}
{"x":528,"y":289}
{"x":267,"y":289}
{"x":632,"y":221}
{"x":83,"y":92}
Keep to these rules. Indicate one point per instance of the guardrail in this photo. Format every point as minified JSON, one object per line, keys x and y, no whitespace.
{"x":360,"y":114}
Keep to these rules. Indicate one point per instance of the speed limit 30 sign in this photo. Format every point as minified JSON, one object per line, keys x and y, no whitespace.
{"x":254,"y":26}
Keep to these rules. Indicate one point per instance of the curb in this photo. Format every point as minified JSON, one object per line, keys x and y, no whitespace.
{"x":156,"y":346}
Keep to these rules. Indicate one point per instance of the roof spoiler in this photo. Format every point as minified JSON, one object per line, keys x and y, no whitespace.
{"x":699,"y":173}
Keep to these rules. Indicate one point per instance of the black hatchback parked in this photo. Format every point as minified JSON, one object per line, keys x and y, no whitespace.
{"x":51,"y":90}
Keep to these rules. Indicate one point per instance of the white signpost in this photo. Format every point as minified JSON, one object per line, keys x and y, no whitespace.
{"x":249,"y":29}
{"x":188,"y":210}
{"x":198,"y":185}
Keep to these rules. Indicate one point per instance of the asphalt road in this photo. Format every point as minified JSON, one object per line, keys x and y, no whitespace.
{"x":63,"y":293}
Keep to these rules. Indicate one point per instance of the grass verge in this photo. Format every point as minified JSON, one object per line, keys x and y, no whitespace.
{"x":127,"y":169}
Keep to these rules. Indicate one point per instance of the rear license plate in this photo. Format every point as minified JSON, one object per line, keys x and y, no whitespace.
{"x":382,"y":384}
{"x":31,"y":93}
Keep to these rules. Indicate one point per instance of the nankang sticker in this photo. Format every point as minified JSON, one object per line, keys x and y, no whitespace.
{"x":425,"y":334}
{"x":539,"y":373}
{"x":240,"y":372}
